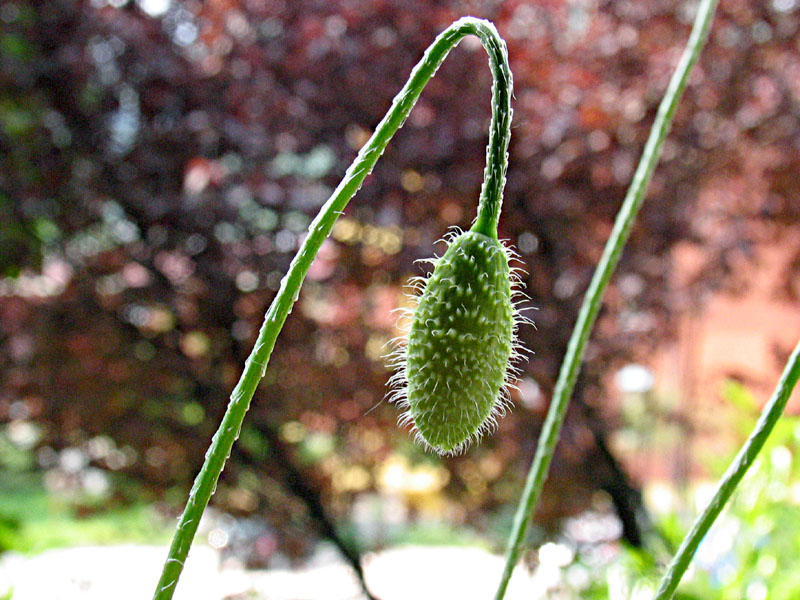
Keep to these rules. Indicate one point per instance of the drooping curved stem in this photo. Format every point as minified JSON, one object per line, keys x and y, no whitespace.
{"x":256,"y":364}
{"x":594,"y":295}
{"x":766,"y":423}
{"x":494,"y":176}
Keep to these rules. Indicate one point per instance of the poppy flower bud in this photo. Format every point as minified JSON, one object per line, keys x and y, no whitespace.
{"x":458,"y":359}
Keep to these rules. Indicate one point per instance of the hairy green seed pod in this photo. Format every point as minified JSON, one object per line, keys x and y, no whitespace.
{"x":461,"y":345}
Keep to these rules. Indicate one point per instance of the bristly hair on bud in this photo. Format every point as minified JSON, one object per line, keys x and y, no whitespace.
{"x":454,"y":367}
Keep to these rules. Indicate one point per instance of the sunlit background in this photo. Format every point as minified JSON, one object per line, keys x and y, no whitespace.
{"x":160,"y":162}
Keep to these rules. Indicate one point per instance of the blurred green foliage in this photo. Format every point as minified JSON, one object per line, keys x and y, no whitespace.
{"x":753,"y":550}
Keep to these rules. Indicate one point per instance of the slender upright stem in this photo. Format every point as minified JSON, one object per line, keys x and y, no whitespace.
{"x":594,"y":295}
{"x":256,"y":364}
{"x":766,"y":423}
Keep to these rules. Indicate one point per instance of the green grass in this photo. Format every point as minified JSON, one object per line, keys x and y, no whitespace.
{"x":32,"y":520}
{"x":438,"y":534}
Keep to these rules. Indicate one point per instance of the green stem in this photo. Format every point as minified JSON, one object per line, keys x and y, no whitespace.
{"x":494,"y":176}
{"x":594,"y":295}
{"x":766,"y":423}
{"x":256,"y":363}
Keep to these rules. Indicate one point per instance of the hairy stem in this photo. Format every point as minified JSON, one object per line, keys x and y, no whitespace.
{"x":766,"y":423}
{"x":256,"y":364}
{"x":594,"y":295}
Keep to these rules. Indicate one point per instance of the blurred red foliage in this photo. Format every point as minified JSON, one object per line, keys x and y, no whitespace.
{"x":167,"y":157}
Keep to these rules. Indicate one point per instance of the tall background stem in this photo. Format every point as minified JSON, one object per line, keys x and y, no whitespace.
{"x":256,"y":364}
{"x":766,"y":423}
{"x":594,"y":295}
